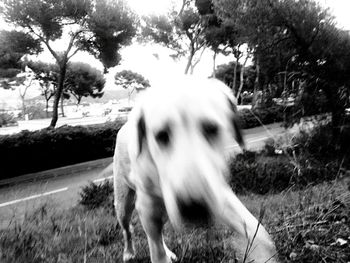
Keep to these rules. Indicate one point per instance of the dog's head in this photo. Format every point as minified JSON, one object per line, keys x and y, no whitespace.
{"x":182,"y":129}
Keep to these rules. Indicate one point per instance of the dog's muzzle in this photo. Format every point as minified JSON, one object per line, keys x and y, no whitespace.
{"x":194,"y":211}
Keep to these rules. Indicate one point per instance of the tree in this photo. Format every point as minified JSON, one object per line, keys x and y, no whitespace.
{"x":227,"y":36}
{"x":24,"y":82}
{"x":297,"y":47}
{"x":189,"y":23}
{"x":13,"y":46}
{"x":161,"y":29}
{"x":83,"y":80}
{"x":226,"y":74}
{"x":47,"y":75}
{"x":100,"y":28}
{"x":131,"y":81}
{"x":180,"y":31}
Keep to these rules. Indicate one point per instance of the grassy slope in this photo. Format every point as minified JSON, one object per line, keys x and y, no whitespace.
{"x":305,"y":225}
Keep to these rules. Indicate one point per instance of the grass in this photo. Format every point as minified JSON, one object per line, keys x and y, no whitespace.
{"x":309,"y":225}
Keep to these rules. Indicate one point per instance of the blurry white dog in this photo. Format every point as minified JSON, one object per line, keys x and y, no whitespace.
{"x":171,"y":155}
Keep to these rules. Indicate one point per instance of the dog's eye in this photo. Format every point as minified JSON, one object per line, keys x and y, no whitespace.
{"x":210,"y":130}
{"x":163,"y":137}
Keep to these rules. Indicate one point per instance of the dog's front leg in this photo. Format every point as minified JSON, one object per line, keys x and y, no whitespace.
{"x":152,"y":215}
{"x":258,"y":243}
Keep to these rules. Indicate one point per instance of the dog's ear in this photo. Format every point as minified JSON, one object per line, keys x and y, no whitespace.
{"x":141,"y":133}
{"x":236,"y":124}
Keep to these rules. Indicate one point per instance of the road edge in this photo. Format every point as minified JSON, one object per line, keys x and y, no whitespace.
{"x":65,"y":170}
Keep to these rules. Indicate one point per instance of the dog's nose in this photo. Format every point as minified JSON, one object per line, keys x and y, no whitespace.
{"x":194,"y":211}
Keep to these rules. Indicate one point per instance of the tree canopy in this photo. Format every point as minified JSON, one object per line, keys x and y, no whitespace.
{"x":83,"y":80}
{"x":296,"y":46}
{"x":181,"y":31}
{"x":130,"y":79}
{"x":13,"y":46}
{"x":98,"y":27}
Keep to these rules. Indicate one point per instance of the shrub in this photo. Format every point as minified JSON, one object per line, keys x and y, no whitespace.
{"x":289,"y":161}
{"x":255,"y":172}
{"x":7,"y":119}
{"x":37,"y":111}
{"x":95,"y":196}
{"x":254,"y":118}
{"x":28,"y":152}
{"x":320,"y":144}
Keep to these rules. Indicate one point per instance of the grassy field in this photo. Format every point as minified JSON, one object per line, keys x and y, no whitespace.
{"x":309,"y":225}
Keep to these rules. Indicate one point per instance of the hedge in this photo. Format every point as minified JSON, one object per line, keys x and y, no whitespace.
{"x":251,"y":119}
{"x":263,"y":173}
{"x":33,"y":151}
{"x":308,"y":158}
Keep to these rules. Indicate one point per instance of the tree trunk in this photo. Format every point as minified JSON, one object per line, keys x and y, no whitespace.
{"x":62,"y":108}
{"x":234,"y":77}
{"x":23,"y":107}
{"x":47,"y":108}
{"x":58,"y":94}
{"x":256,"y":84}
{"x":23,"y":95}
{"x":214,"y":64}
{"x":241,"y":78}
{"x":337,"y":111}
{"x":189,"y":61}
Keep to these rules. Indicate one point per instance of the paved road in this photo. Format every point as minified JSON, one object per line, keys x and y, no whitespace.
{"x":63,"y":191}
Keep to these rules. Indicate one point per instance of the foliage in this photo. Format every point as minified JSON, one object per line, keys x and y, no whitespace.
{"x":227,"y":72}
{"x":319,"y":144}
{"x":308,"y":158}
{"x":35,"y":111}
{"x":93,"y":196}
{"x":7,"y":119}
{"x":254,"y":118}
{"x":259,"y":174}
{"x":13,"y":46}
{"x":47,"y":75}
{"x":129,"y":79}
{"x":82,"y":80}
{"x":160,"y":29}
{"x":55,"y":148}
{"x":262,"y":173}
{"x":112,"y":25}
{"x":297,"y":48}
{"x":181,"y":31}
{"x":69,"y":145}
{"x":100,"y":28}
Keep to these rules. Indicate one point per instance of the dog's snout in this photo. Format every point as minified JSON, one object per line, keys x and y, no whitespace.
{"x":194,"y":211}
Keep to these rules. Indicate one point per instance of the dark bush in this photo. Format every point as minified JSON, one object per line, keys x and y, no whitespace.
{"x":264,"y":173}
{"x":255,"y":172}
{"x":28,"y":152}
{"x":311,"y":157}
{"x":254,"y":118}
{"x":322,"y":146}
{"x":94,"y":196}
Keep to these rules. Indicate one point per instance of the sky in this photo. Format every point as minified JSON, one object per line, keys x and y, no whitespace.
{"x":153,"y":61}
{"x":340,"y":9}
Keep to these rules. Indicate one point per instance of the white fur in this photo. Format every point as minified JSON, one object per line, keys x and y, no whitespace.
{"x":191,"y":168}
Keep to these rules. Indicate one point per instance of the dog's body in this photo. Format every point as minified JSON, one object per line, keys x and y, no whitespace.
{"x":171,"y":154}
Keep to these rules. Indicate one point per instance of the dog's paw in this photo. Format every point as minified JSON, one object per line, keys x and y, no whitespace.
{"x":128,"y":256}
{"x":170,"y":255}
